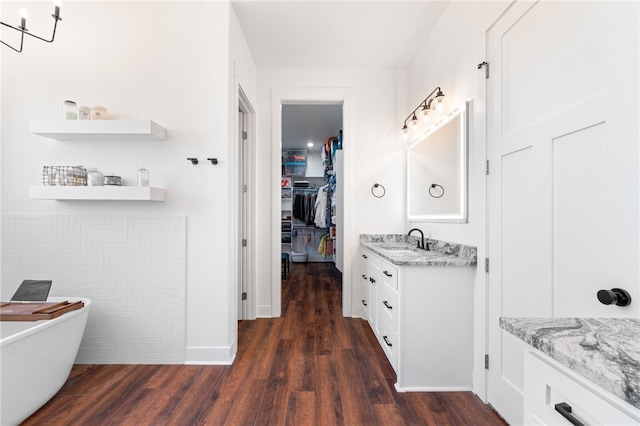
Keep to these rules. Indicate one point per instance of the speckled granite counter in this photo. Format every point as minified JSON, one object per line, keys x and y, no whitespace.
{"x":401,"y":250}
{"x":604,"y":350}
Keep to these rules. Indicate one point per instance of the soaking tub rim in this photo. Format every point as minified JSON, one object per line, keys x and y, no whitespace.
{"x":37,"y":326}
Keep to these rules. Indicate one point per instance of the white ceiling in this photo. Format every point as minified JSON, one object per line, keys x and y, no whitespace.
{"x":336,"y":34}
{"x":309,"y":123}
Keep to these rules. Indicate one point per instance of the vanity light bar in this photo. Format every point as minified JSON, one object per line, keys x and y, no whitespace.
{"x":427,"y":108}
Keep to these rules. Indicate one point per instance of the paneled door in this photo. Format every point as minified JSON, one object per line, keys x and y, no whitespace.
{"x":564,"y":185}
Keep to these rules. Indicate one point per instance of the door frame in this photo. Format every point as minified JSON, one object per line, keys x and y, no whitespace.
{"x":247,"y":255}
{"x":309,"y":96}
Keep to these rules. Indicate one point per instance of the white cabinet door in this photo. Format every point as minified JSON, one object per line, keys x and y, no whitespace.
{"x":564,"y":185}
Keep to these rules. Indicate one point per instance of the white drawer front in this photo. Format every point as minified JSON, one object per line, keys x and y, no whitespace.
{"x":546,"y":385}
{"x":389,"y":342}
{"x":389,"y":273}
{"x":371,"y":259}
{"x":389,"y":305}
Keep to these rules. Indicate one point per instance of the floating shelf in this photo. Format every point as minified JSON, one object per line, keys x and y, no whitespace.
{"x":113,"y":193}
{"x":98,"y":129}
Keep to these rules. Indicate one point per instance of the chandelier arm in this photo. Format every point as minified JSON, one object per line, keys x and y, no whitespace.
{"x":21,"y":38}
{"x":55,"y":25}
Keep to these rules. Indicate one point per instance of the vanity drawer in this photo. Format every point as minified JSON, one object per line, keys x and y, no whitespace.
{"x":388,"y":307}
{"x":547,"y":383}
{"x":370,"y":259}
{"x":389,"y":274}
{"x":389,"y":343}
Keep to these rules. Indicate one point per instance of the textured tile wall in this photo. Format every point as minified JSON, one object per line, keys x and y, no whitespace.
{"x":132,"y":267}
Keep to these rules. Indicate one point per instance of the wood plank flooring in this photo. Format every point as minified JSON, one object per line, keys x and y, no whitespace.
{"x":309,"y":367}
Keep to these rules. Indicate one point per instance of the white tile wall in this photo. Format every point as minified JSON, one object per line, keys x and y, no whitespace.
{"x":132,"y":267}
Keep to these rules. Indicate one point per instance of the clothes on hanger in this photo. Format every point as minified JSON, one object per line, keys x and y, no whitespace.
{"x":321,"y":207}
{"x":304,"y":207}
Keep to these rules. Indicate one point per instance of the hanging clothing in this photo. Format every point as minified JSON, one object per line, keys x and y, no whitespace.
{"x":304,"y":207}
{"x":326,"y":246}
{"x":321,"y":207}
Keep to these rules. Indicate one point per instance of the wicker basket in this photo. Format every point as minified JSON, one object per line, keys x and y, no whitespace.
{"x":64,"y":176}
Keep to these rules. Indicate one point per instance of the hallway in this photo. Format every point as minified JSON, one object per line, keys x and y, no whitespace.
{"x":311,"y":366}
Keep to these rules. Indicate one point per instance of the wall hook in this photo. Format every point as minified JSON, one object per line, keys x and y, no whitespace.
{"x":214,"y":161}
{"x":194,"y":161}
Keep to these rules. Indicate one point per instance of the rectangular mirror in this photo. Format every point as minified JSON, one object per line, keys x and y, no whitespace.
{"x":437,"y":171}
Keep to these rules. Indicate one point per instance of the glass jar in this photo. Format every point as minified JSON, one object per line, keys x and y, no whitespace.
{"x":69,"y":110}
{"x":98,"y":113}
{"x":95,"y":178}
{"x":143,"y":177}
{"x":84,"y":112}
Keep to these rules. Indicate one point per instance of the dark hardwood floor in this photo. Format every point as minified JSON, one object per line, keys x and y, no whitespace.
{"x":309,"y":367}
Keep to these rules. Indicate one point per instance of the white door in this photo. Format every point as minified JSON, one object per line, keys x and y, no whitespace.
{"x":564,"y":184}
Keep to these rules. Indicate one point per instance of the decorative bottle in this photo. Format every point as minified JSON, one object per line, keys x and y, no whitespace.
{"x":69,"y":110}
{"x":143,"y":177}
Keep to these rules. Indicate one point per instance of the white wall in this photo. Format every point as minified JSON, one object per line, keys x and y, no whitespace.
{"x":172,"y":62}
{"x":448,"y":59}
{"x":377,"y":157}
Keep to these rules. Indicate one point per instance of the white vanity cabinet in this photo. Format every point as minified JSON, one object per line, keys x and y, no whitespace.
{"x":548,"y":384}
{"x":423,"y":319}
{"x":370,"y":283}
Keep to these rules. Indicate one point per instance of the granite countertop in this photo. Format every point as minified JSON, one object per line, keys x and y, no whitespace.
{"x":401,"y":250}
{"x":604,"y":350}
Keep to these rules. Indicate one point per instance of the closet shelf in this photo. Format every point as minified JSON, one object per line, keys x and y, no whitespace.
{"x":104,"y":193}
{"x":98,"y":129}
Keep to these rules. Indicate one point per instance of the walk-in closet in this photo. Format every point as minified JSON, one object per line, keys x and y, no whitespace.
{"x":310,"y":185}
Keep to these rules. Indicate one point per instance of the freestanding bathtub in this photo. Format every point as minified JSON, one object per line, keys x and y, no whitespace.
{"x":36,"y":358}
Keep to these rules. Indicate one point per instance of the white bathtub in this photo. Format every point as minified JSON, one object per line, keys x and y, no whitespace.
{"x":36,"y":358}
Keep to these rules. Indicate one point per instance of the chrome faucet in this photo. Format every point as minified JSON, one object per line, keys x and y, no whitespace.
{"x":421,"y":242}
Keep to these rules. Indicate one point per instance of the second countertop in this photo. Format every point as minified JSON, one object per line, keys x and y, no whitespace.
{"x":401,"y":250}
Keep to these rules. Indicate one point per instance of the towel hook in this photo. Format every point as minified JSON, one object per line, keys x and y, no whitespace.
{"x":214,"y":161}
{"x":433,"y":186}
{"x":193,"y":160}
{"x":373,"y":190}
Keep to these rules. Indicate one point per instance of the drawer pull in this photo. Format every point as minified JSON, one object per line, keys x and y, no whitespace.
{"x":365,"y":256}
{"x":387,"y":274}
{"x":384,"y":302}
{"x":364,"y":302}
{"x":386,"y":341}
{"x":565,"y":410}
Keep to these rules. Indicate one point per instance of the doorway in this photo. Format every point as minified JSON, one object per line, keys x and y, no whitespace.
{"x":306,"y":96}
{"x":311,"y":154}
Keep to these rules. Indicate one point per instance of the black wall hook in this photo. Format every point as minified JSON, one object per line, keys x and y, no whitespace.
{"x":194,"y":161}
{"x":214,"y":161}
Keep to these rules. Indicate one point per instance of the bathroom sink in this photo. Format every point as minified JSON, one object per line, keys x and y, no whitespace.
{"x":397,"y":246}
{"x":400,"y":252}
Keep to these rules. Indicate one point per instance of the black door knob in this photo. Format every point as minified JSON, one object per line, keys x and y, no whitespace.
{"x":615,"y":296}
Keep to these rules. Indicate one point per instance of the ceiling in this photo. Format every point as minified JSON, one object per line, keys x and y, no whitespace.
{"x":309,"y":123}
{"x":336,"y":34}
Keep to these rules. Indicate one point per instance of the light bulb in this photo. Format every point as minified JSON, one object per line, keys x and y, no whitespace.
{"x":404,"y":132}
{"x":414,"y":123}
{"x":425,"y":115}
{"x":439,"y":103}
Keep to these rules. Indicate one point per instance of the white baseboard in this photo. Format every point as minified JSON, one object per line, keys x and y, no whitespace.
{"x":264,"y":311}
{"x":210,"y":355}
{"x":434,"y":389}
